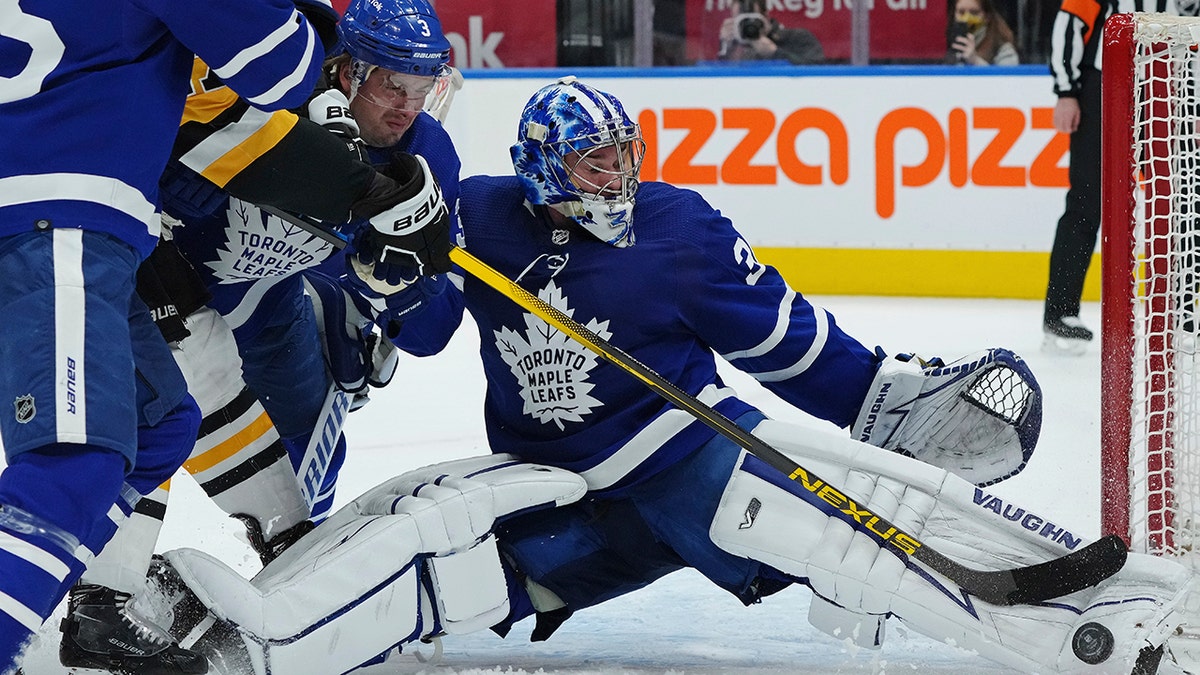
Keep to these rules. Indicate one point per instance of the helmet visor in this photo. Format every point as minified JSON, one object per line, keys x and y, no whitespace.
{"x":389,"y":89}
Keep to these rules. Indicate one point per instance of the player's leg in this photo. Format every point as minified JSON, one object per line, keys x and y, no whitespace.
{"x":104,"y":627}
{"x":284,"y":366}
{"x":71,"y":436}
{"x":1075,"y":235}
{"x":239,"y":459}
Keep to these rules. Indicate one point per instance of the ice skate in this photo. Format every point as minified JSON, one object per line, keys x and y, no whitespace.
{"x":102,"y":632}
{"x":1065,"y":336}
{"x":194,"y":627}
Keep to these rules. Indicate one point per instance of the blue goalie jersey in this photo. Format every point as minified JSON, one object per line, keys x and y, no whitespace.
{"x":689,"y":287}
{"x":62,"y":160}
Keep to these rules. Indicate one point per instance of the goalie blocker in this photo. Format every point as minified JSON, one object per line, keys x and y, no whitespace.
{"x":413,"y":558}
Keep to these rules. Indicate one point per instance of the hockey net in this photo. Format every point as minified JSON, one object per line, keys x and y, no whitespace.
{"x":1150,"y":369}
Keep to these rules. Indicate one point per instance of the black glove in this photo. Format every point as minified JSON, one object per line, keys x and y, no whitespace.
{"x":413,"y":230}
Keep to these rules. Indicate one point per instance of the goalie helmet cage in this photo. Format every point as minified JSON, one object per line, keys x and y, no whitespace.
{"x":1150,"y":390}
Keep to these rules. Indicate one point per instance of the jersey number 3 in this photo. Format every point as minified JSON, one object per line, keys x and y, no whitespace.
{"x":46,"y":51}
{"x":745,"y":256}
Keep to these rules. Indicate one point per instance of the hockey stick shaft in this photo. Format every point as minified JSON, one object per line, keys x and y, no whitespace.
{"x":1070,"y":573}
{"x":315,"y":465}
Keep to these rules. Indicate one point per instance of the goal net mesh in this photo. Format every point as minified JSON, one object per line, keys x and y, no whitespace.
{"x":1150,"y":392}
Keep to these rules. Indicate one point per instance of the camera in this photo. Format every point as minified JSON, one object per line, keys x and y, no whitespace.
{"x":957,"y":29}
{"x":750,"y":26}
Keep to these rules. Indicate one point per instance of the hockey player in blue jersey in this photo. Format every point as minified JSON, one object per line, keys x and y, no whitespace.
{"x":254,"y":266}
{"x":598,"y":486}
{"x":393,"y":54}
{"x":100,"y":412}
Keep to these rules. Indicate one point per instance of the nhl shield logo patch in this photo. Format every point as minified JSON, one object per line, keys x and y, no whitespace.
{"x":26,"y":410}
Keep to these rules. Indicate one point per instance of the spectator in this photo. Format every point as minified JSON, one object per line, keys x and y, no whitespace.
{"x":978,"y":36}
{"x":750,"y":34}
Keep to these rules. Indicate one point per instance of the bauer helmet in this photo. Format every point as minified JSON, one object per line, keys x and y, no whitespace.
{"x":401,"y":36}
{"x":578,"y":153}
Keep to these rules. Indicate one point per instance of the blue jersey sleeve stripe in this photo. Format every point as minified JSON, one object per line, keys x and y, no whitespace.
{"x":777,"y":333}
{"x":81,"y":187}
{"x":810,"y":357}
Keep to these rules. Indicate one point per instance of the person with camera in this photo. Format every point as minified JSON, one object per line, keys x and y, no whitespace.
{"x":750,"y":34}
{"x":978,"y":35}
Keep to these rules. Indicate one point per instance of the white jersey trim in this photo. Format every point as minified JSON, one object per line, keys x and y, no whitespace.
{"x":781,"y":325}
{"x":250,"y":301}
{"x":81,"y":187}
{"x":265,"y":46}
{"x":70,"y":317}
{"x":814,"y":350}
{"x":222,"y":142}
{"x":648,"y":441}
{"x":22,"y":614}
{"x":34,"y":555}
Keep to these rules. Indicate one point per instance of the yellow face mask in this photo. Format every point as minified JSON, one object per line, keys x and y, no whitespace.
{"x":973,"y":20}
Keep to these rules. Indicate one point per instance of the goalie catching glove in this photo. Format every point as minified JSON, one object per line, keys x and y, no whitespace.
{"x":978,"y":417}
{"x":408,"y":232}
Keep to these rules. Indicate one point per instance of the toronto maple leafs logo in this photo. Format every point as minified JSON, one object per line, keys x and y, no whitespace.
{"x":259,"y":245}
{"x":551,"y":368}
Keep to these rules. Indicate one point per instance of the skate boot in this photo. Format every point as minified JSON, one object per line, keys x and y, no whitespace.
{"x":1066,"y":335}
{"x":196,"y":628}
{"x":102,"y":631}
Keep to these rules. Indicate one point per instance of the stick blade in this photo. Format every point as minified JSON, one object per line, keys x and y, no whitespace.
{"x":1068,"y":574}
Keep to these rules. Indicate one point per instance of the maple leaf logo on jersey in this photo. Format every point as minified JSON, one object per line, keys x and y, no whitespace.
{"x":551,"y":368}
{"x":260,"y":245}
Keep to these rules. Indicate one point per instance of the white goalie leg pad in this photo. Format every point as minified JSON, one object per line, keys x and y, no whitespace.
{"x":978,"y":417}
{"x":859,"y":629}
{"x":866,"y":568}
{"x":410,"y":558}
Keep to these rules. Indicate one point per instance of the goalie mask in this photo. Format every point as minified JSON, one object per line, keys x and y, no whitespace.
{"x":403,"y":38}
{"x":578,"y":153}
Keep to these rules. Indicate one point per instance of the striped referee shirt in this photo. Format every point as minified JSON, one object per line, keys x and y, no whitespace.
{"x":1075,"y":40}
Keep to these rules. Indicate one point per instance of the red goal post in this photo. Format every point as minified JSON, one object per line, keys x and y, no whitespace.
{"x":1150,"y":370}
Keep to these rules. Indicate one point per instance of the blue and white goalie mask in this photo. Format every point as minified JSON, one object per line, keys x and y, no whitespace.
{"x":400,"y":46}
{"x":578,"y":153}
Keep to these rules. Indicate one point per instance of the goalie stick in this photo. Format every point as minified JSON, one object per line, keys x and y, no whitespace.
{"x":1030,"y":584}
{"x":1022,"y":585}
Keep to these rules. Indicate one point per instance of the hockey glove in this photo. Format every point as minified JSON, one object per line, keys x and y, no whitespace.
{"x":355,"y":355}
{"x":331,"y":110}
{"x":390,"y":307}
{"x":409,"y":223}
{"x":978,"y":417}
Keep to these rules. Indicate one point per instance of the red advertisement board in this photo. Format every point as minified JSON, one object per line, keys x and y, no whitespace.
{"x":899,"y":29}
{"x":506,"y":34}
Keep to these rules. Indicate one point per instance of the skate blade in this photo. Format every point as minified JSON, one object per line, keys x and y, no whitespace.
{"x":1052,"y":344}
